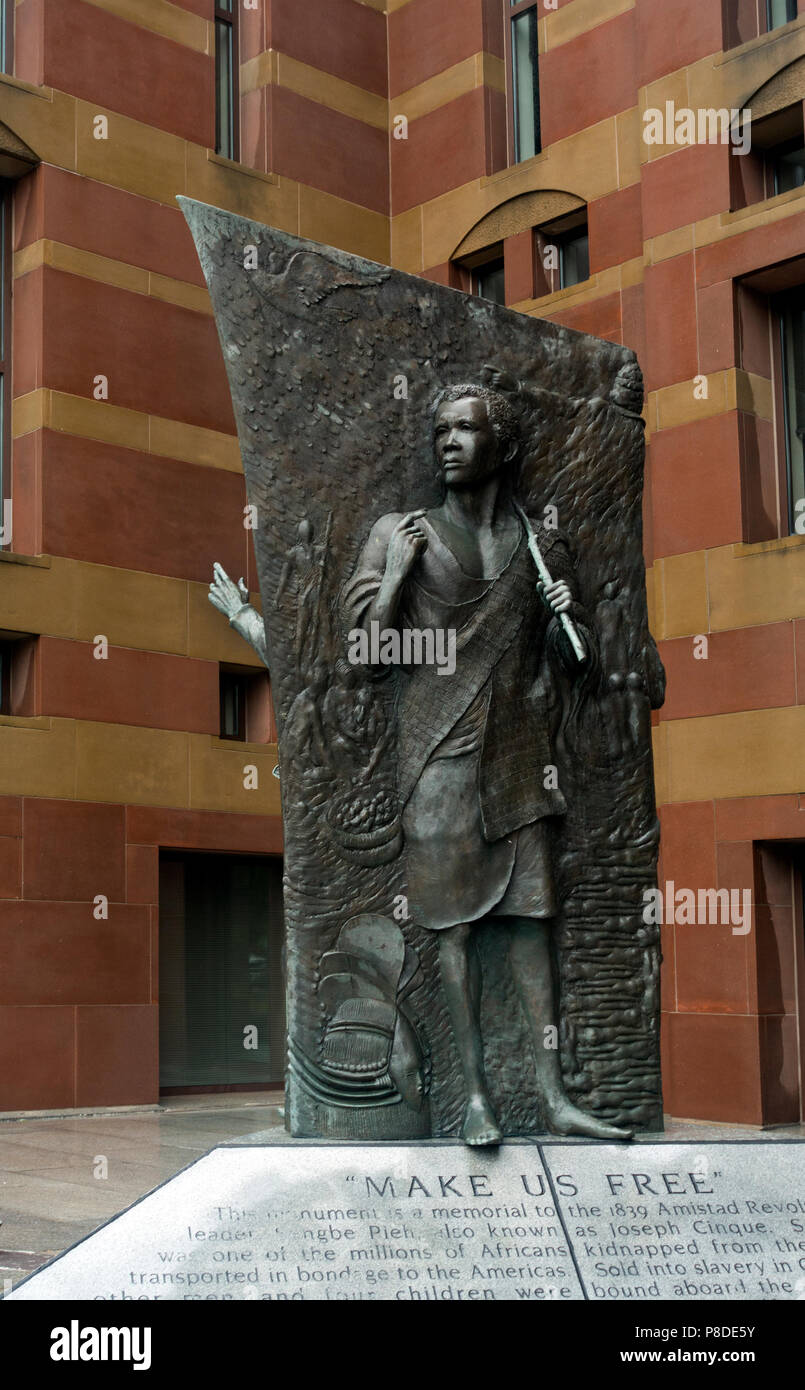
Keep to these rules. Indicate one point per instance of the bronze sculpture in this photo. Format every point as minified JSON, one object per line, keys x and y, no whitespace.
{"x":478,"y":838}
{"x":489,"y":814}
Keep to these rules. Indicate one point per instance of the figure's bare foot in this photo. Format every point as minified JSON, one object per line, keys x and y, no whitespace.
{"x":480,"y":1128}
{"x":563,"y":1117}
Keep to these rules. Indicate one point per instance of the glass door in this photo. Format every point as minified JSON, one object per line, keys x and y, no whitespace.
{"x":222,"y":998}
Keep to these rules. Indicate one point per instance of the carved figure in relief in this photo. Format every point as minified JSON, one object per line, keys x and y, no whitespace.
{"x":480,"y":806}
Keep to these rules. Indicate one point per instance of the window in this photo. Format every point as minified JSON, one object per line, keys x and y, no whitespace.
{"x":482,"y":274}
{"x":246,"y":711}
{"x":744,"y":20}
{"x":17,"y":673}
{"x":563,"y":254}
{"x":522,"y":53}
{"x":787,"y":166}
{"x":227,"y":90}
{"x":6,"y":654}
{"x":776,"y":162}
{"x":489,"y":281}
{"x":574,"y":258}
{"x":770,"y":322}
{"x":6,"y":36}
{"x":233,"y":705}
{"x":780,"y":12}
{"x":792,"y":324}
{"x":5,"y":356}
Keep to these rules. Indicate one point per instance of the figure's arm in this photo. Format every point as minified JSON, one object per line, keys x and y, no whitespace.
{"x":249,"y":624}
{"x":404,"y":545}
{"x":375,"y":590}
{"x":233,"y":601}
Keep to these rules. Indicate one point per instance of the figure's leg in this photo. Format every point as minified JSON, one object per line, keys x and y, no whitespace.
{"x":532,"y":967}
{"x":461,"y":981}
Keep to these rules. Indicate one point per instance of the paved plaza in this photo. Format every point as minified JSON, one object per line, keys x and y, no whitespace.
{"x":52,"y":1188}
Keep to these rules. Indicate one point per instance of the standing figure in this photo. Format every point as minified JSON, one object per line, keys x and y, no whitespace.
{"x":305,"y":561}
{"x":477,"y":783}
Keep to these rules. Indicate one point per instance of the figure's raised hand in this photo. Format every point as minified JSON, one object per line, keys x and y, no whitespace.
{"x":406,"y":543}
{"x":225,"y":595}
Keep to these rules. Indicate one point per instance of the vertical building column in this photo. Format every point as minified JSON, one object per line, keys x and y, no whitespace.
{"x":518,"y":259}
{"x":447,"y":80}
{"x":255,"y":80}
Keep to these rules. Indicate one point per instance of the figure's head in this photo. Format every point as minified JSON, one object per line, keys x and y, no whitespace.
{"x":305,"y":532}
{"x":475,"y":434}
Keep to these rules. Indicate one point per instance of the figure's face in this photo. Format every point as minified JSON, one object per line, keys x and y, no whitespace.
{"x":466,"y":446}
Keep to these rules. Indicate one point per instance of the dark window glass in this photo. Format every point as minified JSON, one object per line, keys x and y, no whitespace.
{"x":6,"y":35}
{"x":6,"y":649}
{"x":5,"y":353}
{"x":793,"y":334}
{"x":5,"y":218}
{"x":788,"y":166}
{"x":233,"y":705}
{"x":780,"y":12}
{"x":524,"y":81}
{"x":776,"y":161}
{"x":574,"y":259}
{"x":226,"y":80}
{"x":563,"y":254}
{"x":490,"y":282}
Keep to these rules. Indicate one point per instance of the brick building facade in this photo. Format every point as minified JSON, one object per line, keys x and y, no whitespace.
{"x":496,"y":145}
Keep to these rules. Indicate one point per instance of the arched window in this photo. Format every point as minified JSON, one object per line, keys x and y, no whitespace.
{"x":775,"y":162}
{"x":526,"y":248}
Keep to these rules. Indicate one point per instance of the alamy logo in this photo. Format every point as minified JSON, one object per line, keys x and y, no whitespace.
{"x":710,"y":907}
{"x":76,"y":1343}
{"x":413,"y":646}
{"x":708,"y":125}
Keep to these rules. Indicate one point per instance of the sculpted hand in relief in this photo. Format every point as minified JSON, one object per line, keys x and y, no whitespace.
{"x":233,"y":601}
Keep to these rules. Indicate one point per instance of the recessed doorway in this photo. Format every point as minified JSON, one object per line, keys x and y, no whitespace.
{"x":221,"y":989}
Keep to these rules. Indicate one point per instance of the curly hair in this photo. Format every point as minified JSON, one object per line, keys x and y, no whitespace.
{"x":502,"y":416}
